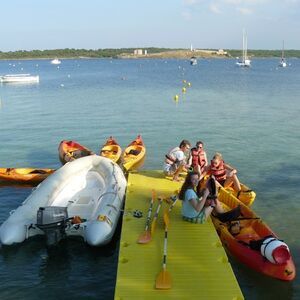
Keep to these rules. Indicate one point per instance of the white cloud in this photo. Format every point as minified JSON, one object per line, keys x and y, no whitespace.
{"x":186,"y":15}
{"x":215,"y":8}
{"x":244,"y":10}
{"x":190,"y":2}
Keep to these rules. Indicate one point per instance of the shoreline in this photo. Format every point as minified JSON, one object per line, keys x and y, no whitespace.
{"x":131,"y":53}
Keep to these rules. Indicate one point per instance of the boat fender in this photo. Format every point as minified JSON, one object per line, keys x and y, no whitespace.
{"x":275,"y":251}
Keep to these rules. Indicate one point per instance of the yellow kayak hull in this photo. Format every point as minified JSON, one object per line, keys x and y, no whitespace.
{"x":111,"y":150}
{"x":134,"y":155}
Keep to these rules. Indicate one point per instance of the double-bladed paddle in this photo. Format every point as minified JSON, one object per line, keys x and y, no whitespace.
{"x":145,"y":237}
{"x":163,"y":279}
{"x":153,"y":224}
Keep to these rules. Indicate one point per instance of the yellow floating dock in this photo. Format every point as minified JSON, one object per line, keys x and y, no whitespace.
{"x":196,"y":260}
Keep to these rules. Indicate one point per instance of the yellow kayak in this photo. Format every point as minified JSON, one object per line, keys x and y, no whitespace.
{"x":112,"y":150}
{"x":246,"y":195}
{"x":24,"y":175}
{"x":134,"y":154}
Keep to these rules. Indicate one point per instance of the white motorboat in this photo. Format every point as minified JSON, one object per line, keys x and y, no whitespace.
{"x":19,"y":78}
{"x":282,"y":62}
{"x":245,"y":61}
{"x":55,"y":61}
{"x":83,"y":198}
{"x":193,"y":61}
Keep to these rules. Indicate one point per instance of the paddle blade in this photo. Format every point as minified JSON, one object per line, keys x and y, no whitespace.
{"x":163,"y":280}
{"x":166,"y":218}
{"x":144,"y":238}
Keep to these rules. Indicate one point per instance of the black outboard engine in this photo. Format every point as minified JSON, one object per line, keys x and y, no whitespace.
{"x":52,"y":220}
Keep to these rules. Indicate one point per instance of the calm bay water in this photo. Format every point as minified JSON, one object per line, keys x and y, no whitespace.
{"x":251,"y":116}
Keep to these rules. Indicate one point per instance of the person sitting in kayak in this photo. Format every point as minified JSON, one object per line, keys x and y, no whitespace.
{"x":176,"y":160}
{"x":195,"y":209}
{"x":224,"y":173}
{"x":198,"y":159}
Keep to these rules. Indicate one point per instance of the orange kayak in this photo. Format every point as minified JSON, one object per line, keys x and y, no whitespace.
{"x":70,"y":150}
{"x":112,"y":150}
{"x":245,"y":236}
{"x":24,"y":175}
{"x":134,"y":154}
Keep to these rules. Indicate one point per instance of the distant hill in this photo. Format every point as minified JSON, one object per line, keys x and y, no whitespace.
{"x":152,"y":52}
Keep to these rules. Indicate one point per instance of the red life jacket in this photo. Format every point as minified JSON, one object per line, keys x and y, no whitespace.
{"x":218,"y":171}
{"x":198,"y":158}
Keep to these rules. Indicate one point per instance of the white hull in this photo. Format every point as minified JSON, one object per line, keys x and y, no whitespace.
{"x":55,"y":61}
{"x":193,"y":61}
{"x":245,"y":61}
{"x":283,"y":64}
{"x":19,"y":78}
{"x":91,"y":187}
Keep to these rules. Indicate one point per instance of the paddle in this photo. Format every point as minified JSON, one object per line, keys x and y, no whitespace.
{"x":145,"y":237}
{"x":163,"y":279}
{"x":153,"y":224}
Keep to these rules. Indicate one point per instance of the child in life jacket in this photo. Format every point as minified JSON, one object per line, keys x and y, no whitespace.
{"x":223,"y":173}
{"x":198,"y":159}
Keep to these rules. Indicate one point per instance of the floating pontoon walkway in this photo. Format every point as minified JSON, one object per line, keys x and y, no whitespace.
{"x":196,"y":260}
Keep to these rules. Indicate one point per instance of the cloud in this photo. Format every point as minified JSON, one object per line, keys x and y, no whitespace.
{"x":244,"y":10}
{"x":190,"y":2}
{"x":186,"y":15}
{"x":213,"y":7}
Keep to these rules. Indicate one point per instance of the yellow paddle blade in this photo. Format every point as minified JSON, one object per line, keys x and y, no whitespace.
{"x":166,"y":218}
{"x":144,"y":238}
{"x":163,"y":280}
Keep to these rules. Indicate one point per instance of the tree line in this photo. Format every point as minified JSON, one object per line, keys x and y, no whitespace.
{"x":115,"y":53}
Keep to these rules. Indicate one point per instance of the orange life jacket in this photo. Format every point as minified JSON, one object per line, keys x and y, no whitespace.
{"x":198,"y":158}
{"x":218,"y":171}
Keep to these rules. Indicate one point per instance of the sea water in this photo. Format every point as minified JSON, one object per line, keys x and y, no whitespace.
{"x":249,"y":115}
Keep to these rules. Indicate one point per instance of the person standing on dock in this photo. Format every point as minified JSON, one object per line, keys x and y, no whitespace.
{"x":176,"y":160}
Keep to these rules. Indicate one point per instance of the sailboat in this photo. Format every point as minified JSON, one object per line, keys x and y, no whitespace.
{"x":282,"y":62}
{"x":245,"y":62}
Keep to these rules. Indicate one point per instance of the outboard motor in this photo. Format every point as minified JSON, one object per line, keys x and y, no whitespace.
{"x":52,"y":220}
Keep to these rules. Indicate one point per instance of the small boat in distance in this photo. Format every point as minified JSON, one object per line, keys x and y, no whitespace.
{"x":282,"y":62}
{"x":245,"y":61}
{"x":193,"y":61}
{"x":19,"y":78}
{"x":55,"y":61}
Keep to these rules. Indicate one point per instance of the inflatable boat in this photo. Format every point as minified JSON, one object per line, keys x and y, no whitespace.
{"x":83,"y":198}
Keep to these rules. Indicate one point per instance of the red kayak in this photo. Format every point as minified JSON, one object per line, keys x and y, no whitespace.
{"x":70,"y":150}
{"x":245,"y":236}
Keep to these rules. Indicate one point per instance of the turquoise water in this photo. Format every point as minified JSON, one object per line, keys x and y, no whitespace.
{"x":251,"y":116}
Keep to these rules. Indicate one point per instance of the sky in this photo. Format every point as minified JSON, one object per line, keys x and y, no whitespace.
{"x":99,"y":24}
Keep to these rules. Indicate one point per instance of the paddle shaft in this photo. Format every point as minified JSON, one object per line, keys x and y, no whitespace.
{"x":158,"y":209}
{"x":150,"y":211}
{"x":173,"y":204}
{"x":165,"y":248}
